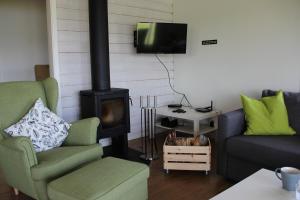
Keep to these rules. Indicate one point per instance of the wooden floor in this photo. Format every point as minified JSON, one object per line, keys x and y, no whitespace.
{"x":178,"y":185}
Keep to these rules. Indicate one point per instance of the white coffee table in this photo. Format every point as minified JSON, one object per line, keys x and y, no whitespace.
{"x":262,"y":185}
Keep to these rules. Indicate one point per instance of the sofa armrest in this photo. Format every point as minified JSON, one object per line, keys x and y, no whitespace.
{"x":230,"y":124}
{"x":83,"y":132}
{"x":17,"y":156}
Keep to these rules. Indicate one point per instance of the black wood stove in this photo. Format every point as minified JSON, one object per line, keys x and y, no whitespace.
{"x":110,"y":105}
{"x":112,"y":108}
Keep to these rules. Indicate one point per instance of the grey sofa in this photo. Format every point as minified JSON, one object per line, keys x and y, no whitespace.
{"x":238,"y":156}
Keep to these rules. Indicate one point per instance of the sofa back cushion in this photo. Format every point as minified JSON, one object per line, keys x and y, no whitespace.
{"x":292,"y":102}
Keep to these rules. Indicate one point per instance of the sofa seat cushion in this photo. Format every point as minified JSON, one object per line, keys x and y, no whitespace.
{"x":60,"y":160}
{"x":108,"y":178}
{"x":268,"y":151}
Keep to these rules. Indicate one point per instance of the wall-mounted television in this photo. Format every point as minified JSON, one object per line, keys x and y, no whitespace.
{"x":167,"y":38}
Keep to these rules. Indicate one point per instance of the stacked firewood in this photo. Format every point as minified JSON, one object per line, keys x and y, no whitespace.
{"x":173,"y":140}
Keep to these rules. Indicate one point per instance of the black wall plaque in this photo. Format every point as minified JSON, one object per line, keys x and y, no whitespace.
{"x":209,"y":42}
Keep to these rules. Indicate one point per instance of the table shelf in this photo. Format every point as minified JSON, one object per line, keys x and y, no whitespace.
{"x":184,"y":129}
{"x":188,"y":128}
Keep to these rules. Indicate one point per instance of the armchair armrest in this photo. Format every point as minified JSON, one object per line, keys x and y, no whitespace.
{"x":230,"y":124}
{"x":83,"y":132}
{"x":17,"y":156}
{"x":19,"y":144}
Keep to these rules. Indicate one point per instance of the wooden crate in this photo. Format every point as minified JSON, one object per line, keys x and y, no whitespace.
{"x":187,"y":157}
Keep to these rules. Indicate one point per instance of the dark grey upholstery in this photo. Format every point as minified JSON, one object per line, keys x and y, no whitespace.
{"x":268,"y":151}
{"x":292,"y":102}
{"x":238,"y":156}
{"x":230,"y":124}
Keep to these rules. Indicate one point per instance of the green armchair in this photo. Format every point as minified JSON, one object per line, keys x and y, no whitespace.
{"x":23,"y":168}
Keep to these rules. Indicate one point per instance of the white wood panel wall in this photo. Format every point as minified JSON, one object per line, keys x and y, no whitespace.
{"x":141,"y":74}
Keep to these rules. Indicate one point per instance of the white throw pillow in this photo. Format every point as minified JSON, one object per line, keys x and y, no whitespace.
{"x":44,"y":128}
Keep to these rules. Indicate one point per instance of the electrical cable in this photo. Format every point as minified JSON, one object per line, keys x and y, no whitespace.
{"x":171,"y":86}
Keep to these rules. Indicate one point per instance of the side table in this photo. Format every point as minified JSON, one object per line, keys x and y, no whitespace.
{"x":193,"y":122}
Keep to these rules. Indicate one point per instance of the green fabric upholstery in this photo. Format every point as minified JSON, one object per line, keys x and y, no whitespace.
{"x":1,"y":135}
{"x":16,"y":158}
{"x":22,"y":167}
{"x":106,"y":179}
{"x":24,"y":145}
{"x":16,"y":99}
{"x":78,"y":132}
{"x":41,"y":188}
{"x":58,"y":161}
{"x":51,"y":91}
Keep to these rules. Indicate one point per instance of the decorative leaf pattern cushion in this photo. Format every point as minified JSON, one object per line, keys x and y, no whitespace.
{"x":44,"y":128}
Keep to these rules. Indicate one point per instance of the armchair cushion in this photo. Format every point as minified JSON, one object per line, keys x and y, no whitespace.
{"x":58,"y":161}
{"x":83,"y":132}
{"x":45,"y":129}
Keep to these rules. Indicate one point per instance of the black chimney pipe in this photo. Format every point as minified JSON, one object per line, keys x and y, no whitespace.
{"x":99,"y":44}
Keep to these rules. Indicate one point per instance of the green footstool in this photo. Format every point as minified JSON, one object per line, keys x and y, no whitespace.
{"x":106,"y":179}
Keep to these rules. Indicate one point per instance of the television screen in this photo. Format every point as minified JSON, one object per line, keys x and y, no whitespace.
{"x":161,"y":38}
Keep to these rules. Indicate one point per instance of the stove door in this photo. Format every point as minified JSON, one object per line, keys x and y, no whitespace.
{"x":112,"y":113}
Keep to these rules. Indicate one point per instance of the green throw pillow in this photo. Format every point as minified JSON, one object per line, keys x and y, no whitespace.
{"x":267,"y":116}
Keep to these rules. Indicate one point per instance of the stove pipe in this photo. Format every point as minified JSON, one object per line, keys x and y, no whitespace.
{"x":99,"y":44}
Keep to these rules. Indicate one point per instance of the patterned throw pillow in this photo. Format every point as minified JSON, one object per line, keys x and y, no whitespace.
{"x":44,"y":128}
